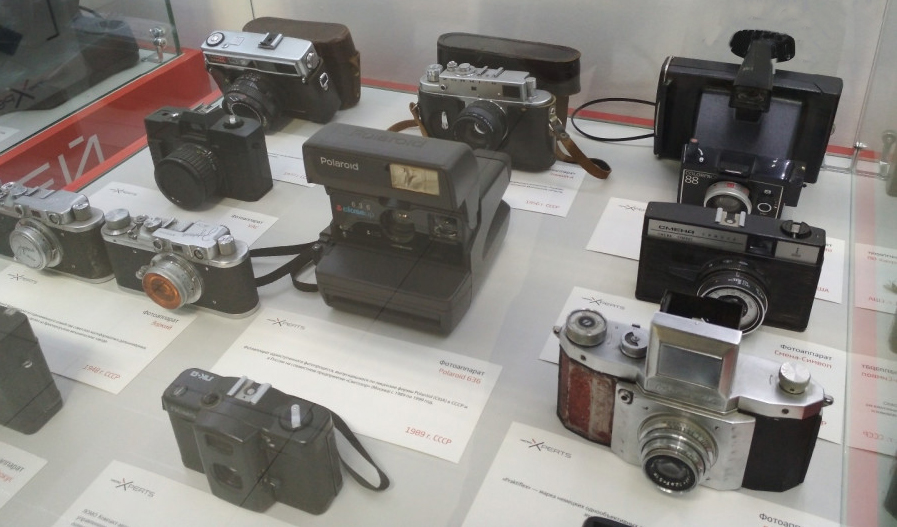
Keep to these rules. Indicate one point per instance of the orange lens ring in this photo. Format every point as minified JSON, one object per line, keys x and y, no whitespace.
{"x":162,"y":291}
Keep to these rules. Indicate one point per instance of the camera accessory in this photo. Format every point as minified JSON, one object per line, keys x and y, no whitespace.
{"x":264,"y":75}
{"x":258,"y":445}
{"x":206,"y":152}
{"x":416,"y":222}
{"x":747,"y":109}
{"x":28,"y":394}
{"x":51,"y":51}
{"x":683,"y":404}
{"x":333,"y":42}
{"x":180,"y":262}
{"x":769,"y":267}
{"x":556,"y":68}
{"x":492,"y":109}
{"x":54,"y":230}
{"x":738,"y":182}
{"x":597,"y":521}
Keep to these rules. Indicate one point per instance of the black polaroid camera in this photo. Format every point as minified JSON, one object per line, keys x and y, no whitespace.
{"x":762,"y":132}
{"x":256,"y":445}
{"x":416,"y":221}
{"x":206,"y":152}
{"x":50,"y":51}
{"x":28,"y":394}
{"x":264,"y":75}
{"x":768,"y":266}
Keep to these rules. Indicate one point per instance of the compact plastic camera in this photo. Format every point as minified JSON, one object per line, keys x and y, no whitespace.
{"x":416,"y":222}
{"x":180,"y":262}
{"x":738,"y":182}
{"x":28,"y":394}
{"x":490,"y":109}
{"x":203,"y":153}
{"x":256,"y":445}
{"x":54,"y":230}
{"x":768,"y":267}
{"x":681,"y":401}
{"x":265,"y":75}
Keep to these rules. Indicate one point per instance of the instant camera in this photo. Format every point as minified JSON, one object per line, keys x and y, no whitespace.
{"x":416,"y":221}
{"x":760,"y":131}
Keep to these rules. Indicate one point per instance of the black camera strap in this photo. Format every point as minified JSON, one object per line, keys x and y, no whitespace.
{"x":352,"y":439}
{"x":306,"y":254}
{"x":594,"y":166}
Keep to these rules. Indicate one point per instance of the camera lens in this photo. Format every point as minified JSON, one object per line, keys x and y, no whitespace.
{"x":481,"y":124}
{"x":675,"y":453}
{"x":731,"y":282}
{"x":34,"y":245}
{"x":171,"y":281}
{"x":253,"y":96}
{"x":188,"y":175}
{"x":398,"y":225}
{"x":729,"y":196}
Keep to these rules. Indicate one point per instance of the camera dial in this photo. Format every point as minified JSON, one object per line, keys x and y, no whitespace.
{"x":34,"y":245}
{"x":188,"y":176}
{"x":729,"y":196}
{"x":675,"y":453}
{"x":482,"y":124}
{"x":586,"y":327}
{"x":170,"y":281}
{"x":731,"y":281}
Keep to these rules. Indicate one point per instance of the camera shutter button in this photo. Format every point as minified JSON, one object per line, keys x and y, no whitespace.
{"x":794,"y":377}
{"x":293,"y":417}
{"x":118,"y":219}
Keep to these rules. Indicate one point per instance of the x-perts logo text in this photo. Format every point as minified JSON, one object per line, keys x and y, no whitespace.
{"x":277,"y":321}
{"x":542,"y":447}
{"x":122,"y":191}
{"x":602,"y":302}
{"x":21,"y":278}
{"x":632,"y":208}
{"x":129,"y":486}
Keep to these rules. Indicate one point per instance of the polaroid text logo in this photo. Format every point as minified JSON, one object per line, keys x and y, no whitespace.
{"x":336,"y":163}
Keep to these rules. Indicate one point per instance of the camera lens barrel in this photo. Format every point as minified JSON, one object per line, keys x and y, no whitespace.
{"x":482,"y":124}
{"x":254,"y":97}
{"x":188,"y":175}
{"x":729,"y":196}
{"x":171,"y":282}
{"x":734,"y":285}
{"x":34,"y":246}
{"x":675,"y":453}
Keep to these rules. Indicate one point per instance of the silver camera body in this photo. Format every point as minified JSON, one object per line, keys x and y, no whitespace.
{"x":681,"y":402}
{"x":178,"y":262}
{"x":54,"y":230}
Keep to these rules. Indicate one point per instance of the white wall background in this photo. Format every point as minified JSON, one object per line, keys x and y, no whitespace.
{"x":623,"y":42}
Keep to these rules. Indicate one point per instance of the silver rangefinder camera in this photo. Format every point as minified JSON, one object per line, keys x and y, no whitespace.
{"x":681,"y":402}
{"x":54,"y":230}
{"x":178,"y":262}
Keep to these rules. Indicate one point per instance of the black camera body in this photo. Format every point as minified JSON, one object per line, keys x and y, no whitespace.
{"x":202,"y":153}
{"x":490,"y":109}
{"x":28,"y":394}
{"x":263,"y":76}
{"x":693,"y":101}
{"x":256,"y":445}
{"x":179,"y":262}
{"x":55,"y":230}
{"x":738,"y":182}
{"x":768,"y":266}
{"x":416,"y":222}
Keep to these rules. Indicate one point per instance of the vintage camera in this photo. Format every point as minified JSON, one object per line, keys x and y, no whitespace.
{"x":52,"y":50}
{"x":202,"y":153}
{"x":179,"y":262}
{"x":256,"y":445}
{"x":28,"y":394}
{"x":682,"y":403}
{"x":555,"y":67}
{"x":748,"y":108}
{"x":416,"y":222}
{"x":738,"y":182}
{"x":54,"y":230}
{"x":490,"y":109}
{"x":265,"y":75}
{"x":769,"y":267}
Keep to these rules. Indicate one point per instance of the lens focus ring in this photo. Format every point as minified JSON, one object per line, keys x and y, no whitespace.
{"x":481,"y":124}
{"x":188,"y":176}
{"x":734,"y":285}
{"x":171,"y":281}
{"x":675,"y":453}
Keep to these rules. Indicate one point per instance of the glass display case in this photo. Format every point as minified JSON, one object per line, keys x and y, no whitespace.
{"x":471,"y":422}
